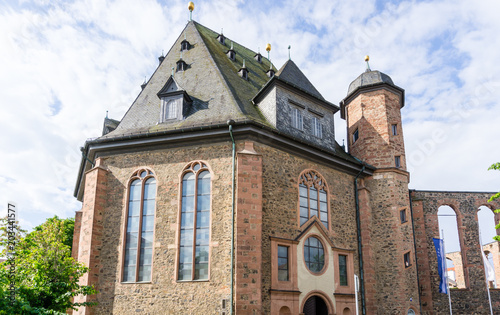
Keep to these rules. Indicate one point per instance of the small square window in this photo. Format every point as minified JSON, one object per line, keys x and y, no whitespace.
{"x":355,"y":136}
{"x":407,"y":260}
{"x":402,"y":215}
{"x":397,"y":161}
{"x":283,"y":263}
{"x":394,"y":129}
{"x":297,"y":119}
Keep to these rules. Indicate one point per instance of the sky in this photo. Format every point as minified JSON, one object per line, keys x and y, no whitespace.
{"x":64,"y":64}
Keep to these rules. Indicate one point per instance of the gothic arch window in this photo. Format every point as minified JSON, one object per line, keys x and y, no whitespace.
{"x":313,"y":197}
{"x":194,"y":230}
{"x":139,"y":227}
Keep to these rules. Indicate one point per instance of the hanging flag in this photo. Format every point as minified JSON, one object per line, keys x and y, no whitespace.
{"x":443,"y":286}
{"x":488,"y":268}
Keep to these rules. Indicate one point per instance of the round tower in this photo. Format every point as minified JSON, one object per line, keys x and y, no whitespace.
{"x":372,"y":109}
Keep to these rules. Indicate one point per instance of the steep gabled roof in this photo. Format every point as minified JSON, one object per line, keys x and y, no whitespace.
{"x":291,"y":74}
{"x":211,"y":80}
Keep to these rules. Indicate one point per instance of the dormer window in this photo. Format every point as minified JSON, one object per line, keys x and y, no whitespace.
{"x":231,"y":53}
{"x":243,"y":72}
{"x":258,"y":58}
{"x":175,"y":102}
{"x":270,"y":72}
{"x":169,"y":109}
{"x":185,"y":45}
{"x":181,"y":65}
{"x":222,"y":39}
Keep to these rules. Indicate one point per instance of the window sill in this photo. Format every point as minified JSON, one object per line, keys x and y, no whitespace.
{"x":184,"y":281}
{"x":139,"y":282}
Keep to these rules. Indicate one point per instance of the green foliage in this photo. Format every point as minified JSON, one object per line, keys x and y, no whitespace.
{"x":495,"y":166}
{"x":46,"y":276}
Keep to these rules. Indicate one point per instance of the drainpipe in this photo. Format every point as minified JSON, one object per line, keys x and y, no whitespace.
{"x":230,"y":124}
{"x":85,"y":157}
{"x":360,"y":246}
{"x":415,"y":246}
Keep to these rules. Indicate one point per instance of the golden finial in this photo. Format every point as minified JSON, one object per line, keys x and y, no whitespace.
{"x":190,"y":8}
{"x":268,"y":49}
{"x":367,"y":58}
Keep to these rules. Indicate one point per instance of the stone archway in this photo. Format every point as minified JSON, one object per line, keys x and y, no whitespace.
{"x":315,"y":305}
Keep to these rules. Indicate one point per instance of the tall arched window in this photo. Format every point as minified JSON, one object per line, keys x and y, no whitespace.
{"x":138,"y":253}
{"x":313,"y":197}
{"x":194,"y":222}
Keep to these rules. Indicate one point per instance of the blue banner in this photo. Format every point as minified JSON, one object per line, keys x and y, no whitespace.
{"x":438,"y":243}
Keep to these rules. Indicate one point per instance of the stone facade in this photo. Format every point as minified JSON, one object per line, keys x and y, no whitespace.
{"x":374,"y":223}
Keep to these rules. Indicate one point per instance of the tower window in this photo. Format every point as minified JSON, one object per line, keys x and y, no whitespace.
{"x":317,"y":128}
{"x":283,"y":263}
{"x":297,"y":119}
{"x":355,"y":136}
{"x":138,"y":252}
{"x":397,"y":161}
{"x":394,"y":129}
{"x":407,"y":260}
{"x":402,"y":216}
{"x":343,"y":270}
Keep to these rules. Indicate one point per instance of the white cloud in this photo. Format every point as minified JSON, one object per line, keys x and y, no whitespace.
{"x":65,"y":63}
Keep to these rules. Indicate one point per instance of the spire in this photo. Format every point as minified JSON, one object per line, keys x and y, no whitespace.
{"x":289,"y":47}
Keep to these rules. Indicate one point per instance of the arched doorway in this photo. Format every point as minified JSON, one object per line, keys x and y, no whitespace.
{"x":315,"y":305}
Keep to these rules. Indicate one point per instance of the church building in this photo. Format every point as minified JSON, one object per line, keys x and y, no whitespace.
{"x":222,"y":190}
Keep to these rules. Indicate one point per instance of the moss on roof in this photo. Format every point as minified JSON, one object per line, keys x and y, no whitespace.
{"x":243,"y":90}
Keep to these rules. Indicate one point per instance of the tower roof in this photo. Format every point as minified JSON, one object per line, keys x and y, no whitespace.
{"x":291,"y":74}
{"x":369,"y":78}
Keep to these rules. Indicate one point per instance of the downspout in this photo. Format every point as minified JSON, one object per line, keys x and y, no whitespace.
{"x":230,"y":124}
{"x":360,"y":246}
{"x":415,"y":246}
{"x":86,"y":158}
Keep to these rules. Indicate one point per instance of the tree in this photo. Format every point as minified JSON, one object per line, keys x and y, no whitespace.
{"x":46,"y":277}
{"x":495,"y":166}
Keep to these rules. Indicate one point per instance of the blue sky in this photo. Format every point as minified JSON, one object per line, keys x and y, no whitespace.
{"x":65,"y":63}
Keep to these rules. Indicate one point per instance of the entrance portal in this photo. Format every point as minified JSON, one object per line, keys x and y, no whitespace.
{"x":315,"y":305}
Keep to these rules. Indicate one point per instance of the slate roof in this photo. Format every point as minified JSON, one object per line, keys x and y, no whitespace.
{"x":211,"y":80}
{"x":291,"y":74}
{"x":369,"y":78}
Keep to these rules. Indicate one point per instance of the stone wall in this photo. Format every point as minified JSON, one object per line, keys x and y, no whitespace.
{"x":280,"y":216}
{"x":164,"y":294}
{"x":390,"y":285}
{"x":474,"y":298}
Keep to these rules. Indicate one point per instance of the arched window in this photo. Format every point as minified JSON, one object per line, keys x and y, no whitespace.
{"x":138,"y":253}
{"x":194,"y":222}
{"x":313,"y":197}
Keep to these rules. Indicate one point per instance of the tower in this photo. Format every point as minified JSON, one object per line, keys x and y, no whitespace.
{"x":372,"y":110}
